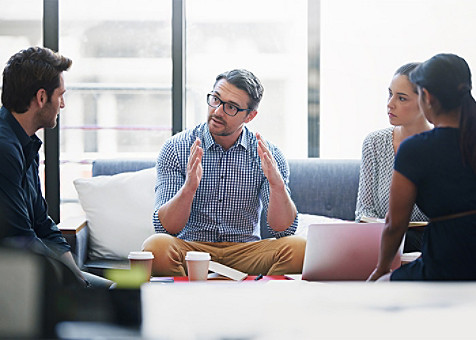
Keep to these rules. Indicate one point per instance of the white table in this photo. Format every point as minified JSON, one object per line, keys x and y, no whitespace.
{"x":308,"y":310}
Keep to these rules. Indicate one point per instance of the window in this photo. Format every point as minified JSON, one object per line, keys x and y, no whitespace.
{"x":271,"y":43}
{"x":118,"y":99}
{"x":363,"y":44}
{"x":20,"y":27}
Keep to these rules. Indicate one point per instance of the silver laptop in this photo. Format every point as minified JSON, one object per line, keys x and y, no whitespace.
{"x":343,"y":251}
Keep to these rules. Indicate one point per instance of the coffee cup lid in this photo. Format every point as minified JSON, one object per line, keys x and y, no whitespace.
{"x":140,"y":255}
{"x":197,"y":256}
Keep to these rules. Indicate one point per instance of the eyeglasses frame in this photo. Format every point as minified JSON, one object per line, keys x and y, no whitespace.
{"x":222,"y":102}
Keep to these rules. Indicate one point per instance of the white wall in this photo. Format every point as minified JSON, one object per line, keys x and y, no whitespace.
{"x":364,"y":42}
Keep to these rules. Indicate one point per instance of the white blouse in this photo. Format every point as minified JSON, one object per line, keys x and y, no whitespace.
{"x":376,"y":170}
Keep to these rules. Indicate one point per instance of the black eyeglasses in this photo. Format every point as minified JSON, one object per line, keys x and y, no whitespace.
{"x":229,"y":109}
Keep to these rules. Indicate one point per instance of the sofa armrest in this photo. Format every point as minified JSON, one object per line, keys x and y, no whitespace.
{"x":76,"y":232}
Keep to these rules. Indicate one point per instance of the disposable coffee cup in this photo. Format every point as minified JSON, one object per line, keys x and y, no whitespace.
{"x":141,"y":263}
{"x":197,"y":265}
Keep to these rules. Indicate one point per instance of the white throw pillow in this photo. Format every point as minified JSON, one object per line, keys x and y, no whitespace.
{"x":119,"y":211}
{"x":304,"y":220}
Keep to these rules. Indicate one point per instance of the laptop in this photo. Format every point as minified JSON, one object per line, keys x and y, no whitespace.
{"x":343,"y":251}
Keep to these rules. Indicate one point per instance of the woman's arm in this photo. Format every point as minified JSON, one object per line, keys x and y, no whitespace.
{"x":402,"y":198}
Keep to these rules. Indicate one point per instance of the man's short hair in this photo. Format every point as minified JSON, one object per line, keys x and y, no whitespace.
{"x":27,"y":72}
{"x":246,"y":81}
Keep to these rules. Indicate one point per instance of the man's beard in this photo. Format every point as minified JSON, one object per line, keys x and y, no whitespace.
{"x":225,"y":132}
{"x":45,"y":120}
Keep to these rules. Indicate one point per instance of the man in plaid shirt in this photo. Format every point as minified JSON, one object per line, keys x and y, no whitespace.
{"x":213,"y":182}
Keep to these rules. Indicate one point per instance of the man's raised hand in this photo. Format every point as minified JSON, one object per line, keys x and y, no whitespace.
{"x":268,"y":163}
{"x":194,"y":166}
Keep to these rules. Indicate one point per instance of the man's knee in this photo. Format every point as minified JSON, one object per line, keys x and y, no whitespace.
{"x":294,"y":244}
{"x":167,"y":257}
{"x":157,"y":241}
{"x":162,"y":246}
{"x":291,"y":255}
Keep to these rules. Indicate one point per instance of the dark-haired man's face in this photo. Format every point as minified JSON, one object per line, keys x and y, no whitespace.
{"x":48,"y":115}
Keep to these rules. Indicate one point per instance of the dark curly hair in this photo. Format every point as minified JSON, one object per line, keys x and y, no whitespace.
{"x":27,"y":72}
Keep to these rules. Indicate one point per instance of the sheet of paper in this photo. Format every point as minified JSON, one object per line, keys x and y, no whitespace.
{"x":227,"y":271}
{"x":367,"y":219}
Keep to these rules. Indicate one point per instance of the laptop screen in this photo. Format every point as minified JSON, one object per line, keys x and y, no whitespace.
{"x":343,"y":251}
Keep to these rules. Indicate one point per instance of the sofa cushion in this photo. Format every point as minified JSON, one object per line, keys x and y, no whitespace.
{"x":326,"y":187}
{"x":119,"y":211}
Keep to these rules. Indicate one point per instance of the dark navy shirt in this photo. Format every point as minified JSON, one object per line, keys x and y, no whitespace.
{"x":445,"y":185}
{"x":23,"y":209}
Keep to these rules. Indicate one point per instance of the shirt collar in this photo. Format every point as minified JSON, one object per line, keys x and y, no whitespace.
{"x":208,"y":140}
{"x":30,"y":145}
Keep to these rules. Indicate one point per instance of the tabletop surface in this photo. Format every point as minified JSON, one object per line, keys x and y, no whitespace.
{"x":286,"y":309}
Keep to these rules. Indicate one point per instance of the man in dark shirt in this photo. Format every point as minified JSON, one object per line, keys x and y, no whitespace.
{"x":32,"y":96}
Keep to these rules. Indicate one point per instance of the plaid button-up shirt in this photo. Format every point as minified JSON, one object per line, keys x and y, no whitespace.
{"x":233,"y":190}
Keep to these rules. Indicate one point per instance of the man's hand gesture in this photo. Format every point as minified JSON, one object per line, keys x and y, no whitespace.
{"x":194,"y":166}
{"x":268,"y":163}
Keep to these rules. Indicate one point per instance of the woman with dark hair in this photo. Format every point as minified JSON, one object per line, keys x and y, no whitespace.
{"x":379,"y":149}
{"x":437,"y":170}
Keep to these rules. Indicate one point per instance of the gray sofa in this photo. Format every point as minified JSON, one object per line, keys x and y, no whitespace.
{"x":318,"y":186}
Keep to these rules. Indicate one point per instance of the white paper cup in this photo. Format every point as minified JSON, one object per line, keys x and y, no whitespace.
{"x":141,"y":261}
{"x":197,"y":265}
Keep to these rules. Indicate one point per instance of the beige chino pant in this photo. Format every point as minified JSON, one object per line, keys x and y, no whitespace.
{"x":268,"y":257}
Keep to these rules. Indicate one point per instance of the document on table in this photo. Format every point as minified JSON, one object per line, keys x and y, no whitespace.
{"x":227,"y":271}
{"x":367,"y":219}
